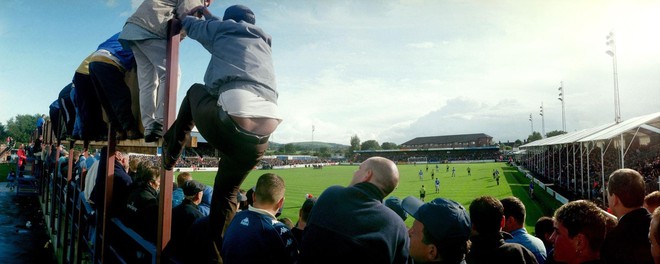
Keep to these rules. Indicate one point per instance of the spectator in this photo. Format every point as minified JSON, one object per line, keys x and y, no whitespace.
{"x":543,"y":230}
{"x":255,"y":235}
{"x":177,"y":194}
{"x":145,"y":33}
{"x":652,"y":201}
{"x":628,"y":242}
{"x":107,"y":68}
{"x":205,"y":205}
{"x":303,"y":217}
{"x":141,"y":213}
{"x":514,"y":224}
{"x":121,"y":184}
{"x":242,"y":200}
{"x":440,"y":232}
{"x":580,"y":229}
{"x":374,"y":233}
{"x":40,"y":124}
{"x":22,"y":159}
{"x":487,"y":215}
{"x":654,"y":236}
{"x":394,"y":203}
{"x":185,"y":214}
{"x":239,"y":130}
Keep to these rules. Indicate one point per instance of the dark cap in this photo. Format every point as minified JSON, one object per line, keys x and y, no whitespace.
{"x":192,"y":187}
{"x":394,"y":203}
{"x":443,"y":218}
{"x":239,"y":13}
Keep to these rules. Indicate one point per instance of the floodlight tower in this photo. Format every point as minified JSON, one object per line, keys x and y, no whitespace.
{"x":531,"y":122}
{"x":542,"y":121}
{"x":563,"y":108}
{"x":617,"y":103}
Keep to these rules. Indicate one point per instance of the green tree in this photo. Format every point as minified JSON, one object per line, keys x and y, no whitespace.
{"x":3,"y":132}
{"x":324,"y":152}
{"x":389,"y":145}
{"x":555,"y":133}
{"x":290,"y":148}
{"x":21,"y":127}
{"x":534,"y":137}
{"x":370,"y":145}
{"x":518,"y":142}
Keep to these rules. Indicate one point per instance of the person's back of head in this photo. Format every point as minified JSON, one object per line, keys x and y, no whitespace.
{"x":652,"y":201}
{"x":654,"y":236}
{"x":487,"y":214}
{"x":543,"y":230}
{"x":628,"y":185}
{"x":379,"y":171}
{"x":269,"y":192}
{"x":182,"y":178}
{"x":514,"y":213}
{"x":581,"y":227}
{"x":193,"y":191}
{"x":394,"y":203}
{"x":306,"y":209}
{"x":239,"y":13}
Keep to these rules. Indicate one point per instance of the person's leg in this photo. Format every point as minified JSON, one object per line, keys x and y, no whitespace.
{"x":91,"y":117}
{"x":110,"y":80}
{"x":150,"y":56}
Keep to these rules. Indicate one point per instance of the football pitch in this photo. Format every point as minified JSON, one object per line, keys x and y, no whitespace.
{"x":461,"y":188}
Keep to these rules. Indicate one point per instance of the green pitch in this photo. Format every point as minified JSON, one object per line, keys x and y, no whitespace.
{"x":461,"y":188}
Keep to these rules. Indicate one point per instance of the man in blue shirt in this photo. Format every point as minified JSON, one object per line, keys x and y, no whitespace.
{"x":514,"y":215}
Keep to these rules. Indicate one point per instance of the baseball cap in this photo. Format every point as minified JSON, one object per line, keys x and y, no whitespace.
{"x":443,"y":218}
{"x":239,"y":13}
{"x":192,"y":187}
{"x":394,"y":203}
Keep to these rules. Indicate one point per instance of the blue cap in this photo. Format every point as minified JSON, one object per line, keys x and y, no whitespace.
{"x":443,"y":218}
{"x":239,"y":13}
{"x":394,"y":203}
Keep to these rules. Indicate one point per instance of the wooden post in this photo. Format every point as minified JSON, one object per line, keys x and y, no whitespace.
{"x":166,"y":178}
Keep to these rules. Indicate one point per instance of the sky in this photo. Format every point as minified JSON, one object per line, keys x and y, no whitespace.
{"x":384,"y":70}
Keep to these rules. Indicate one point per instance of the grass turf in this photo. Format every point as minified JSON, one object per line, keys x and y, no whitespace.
{"x":462,"y":188}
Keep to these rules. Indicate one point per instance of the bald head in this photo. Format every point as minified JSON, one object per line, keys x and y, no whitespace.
{"x":379,"y":171}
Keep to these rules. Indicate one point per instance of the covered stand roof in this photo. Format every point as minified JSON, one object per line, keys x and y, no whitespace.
{"x":646,"y":124}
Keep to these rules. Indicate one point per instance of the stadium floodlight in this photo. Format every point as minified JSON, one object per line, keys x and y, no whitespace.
{"x":563,"y":108}
{"x":611,"y":43}
{"x":542,"y":121}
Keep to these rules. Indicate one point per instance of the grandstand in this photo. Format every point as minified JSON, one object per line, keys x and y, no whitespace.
{"x":440,"y":149}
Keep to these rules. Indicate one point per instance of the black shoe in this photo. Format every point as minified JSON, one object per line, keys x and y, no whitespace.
{"x":152,"y":137}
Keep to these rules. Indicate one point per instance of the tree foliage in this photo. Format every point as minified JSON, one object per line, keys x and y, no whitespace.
{"x":370,"y":145}
{"x":534,"y":137}
{"x":389,"y":145}
{"x":555,"y":133}
{"x":3,"y":132}
{"x":290,"y":148}
{"x":21,"y":127}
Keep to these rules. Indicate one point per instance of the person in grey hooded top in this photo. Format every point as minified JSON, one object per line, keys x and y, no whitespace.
{"x":235,"y":110}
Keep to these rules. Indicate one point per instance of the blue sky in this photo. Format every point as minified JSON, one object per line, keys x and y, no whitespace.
{"x":382,"y":69}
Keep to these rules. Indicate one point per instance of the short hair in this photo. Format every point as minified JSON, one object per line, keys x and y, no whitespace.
{"x":270,"y":188}
{"x":145,"y":173}
{"x":182,"y":178}
{"x":486,"y":213}
{"x":306,"y":208}
{"x":584,"y":217}
{"x":514,"y":207}
{"x":652,"y":199}
{"x":628,"y":185}
{"x":544,"y":225}
{"x":656,"y":215}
